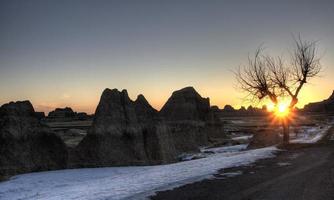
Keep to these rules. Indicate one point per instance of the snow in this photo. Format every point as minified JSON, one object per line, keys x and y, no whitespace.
{"x":116,"y":183}
{"x":226,"y":149}
{"x":245,"y":137}
{"x":238,"y":121}
{"x":311,"y":134}
{"x":206,"y":152}
{"x":229,"y":174}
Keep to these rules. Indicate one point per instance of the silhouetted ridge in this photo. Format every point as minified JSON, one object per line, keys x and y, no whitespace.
{"x":326,"y":106}
{"x":145,"y":112}
{"x":120,"y":134}
{"x":332,"y":96}
{"x":126,"y":132}
{"x":61,"y":112}
{"x":65,"y":114}
{"x":114,"y":108}
{"x":186,"y":104}
{"x":26,"y":145}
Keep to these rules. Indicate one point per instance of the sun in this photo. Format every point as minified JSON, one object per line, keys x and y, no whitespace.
{"x":281,"y":110}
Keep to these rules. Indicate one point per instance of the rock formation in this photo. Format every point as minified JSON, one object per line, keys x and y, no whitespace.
{"x":191,"y":119}
{"x":250,"y":111}
{"x":66,"y":114}
{"x":82,"y":116}
{"x":40,"y":115}
{"x":126,"y":132}
{"x":145,"y":112}
{"x":61,"y":113}
{"x":119,"y":134}
{"x":228,"y":108}
{"x":326,"y":106}
{"x":186,"y":104}
{"x":264,"y":138}
{"x":26,"y":145}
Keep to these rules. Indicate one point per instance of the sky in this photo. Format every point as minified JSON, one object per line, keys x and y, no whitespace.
{"x":65,"y":53}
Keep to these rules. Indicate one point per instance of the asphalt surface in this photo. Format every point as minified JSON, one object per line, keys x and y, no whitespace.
{"x":297,"y":173}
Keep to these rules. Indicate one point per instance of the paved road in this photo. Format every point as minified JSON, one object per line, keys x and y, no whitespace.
{"x":296,"y":174}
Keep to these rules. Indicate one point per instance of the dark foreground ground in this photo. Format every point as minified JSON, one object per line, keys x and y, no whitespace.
{"x":299,"y":173}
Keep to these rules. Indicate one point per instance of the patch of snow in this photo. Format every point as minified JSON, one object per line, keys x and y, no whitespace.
{"x":193,"y":156}
{"x":238,"y":121}
{"x":245,"y":137}
{"x":116,"y":183}
{"x":311,"y":134}
{"x":206,"y":152}
{"x":228,"y":175}
{"x":226,"y":149}
{"x":232,"y":174}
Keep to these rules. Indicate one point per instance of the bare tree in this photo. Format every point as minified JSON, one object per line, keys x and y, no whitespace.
{"x":269,"y":77}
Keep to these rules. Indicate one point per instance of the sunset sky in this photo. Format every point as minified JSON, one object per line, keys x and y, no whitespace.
{"x":65,"y":53}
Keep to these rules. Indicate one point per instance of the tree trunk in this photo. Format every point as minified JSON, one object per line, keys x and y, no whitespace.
{"x":286,"y":136}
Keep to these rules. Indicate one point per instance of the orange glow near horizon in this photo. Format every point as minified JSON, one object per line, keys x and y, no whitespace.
{"x":87,"y":100}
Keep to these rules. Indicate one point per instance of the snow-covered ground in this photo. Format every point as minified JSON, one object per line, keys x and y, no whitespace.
{"x":139,"y":182}
{"x":206,"y":152}
{"x":125,"y":182}
{"x":310,"y":134}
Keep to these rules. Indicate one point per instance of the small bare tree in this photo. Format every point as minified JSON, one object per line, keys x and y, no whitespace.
{"x":268,"y":77}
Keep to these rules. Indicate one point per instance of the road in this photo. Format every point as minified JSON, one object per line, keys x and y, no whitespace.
{"x":299,"y":173}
